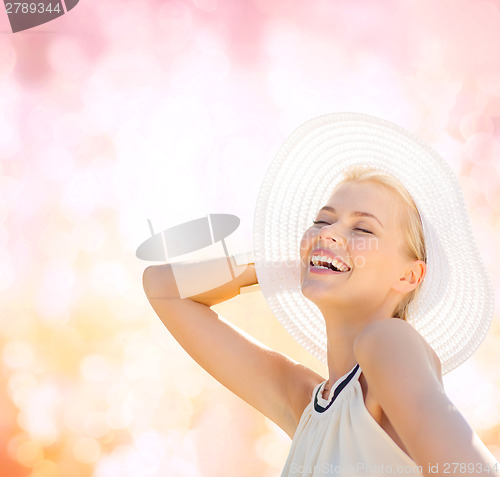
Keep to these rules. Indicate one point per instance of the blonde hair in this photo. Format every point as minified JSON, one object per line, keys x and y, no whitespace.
{"x":411,"y":224}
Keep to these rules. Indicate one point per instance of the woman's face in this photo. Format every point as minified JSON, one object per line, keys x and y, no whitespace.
{"x":360,"y":225}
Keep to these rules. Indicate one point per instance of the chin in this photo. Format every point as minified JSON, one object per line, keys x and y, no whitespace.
{"x":316,"y":291}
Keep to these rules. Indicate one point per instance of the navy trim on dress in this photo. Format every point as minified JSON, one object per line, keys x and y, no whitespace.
{"x":342,"y":385}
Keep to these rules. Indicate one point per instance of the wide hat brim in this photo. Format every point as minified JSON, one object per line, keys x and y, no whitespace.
{"x":454,"y":308}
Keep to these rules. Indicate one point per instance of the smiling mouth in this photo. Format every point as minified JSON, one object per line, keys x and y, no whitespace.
{"x":323,"y":265}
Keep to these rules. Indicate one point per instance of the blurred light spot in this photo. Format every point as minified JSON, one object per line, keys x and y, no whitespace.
{"x":28,"y":453}
{"x":474,"y":406}
{"x":98,"y":118}
{"x":67,"y":336}
{"x":175,"y":19}
{"x":74,"y":417}
{"x":206,"y":5}
{"x":53,"y":298}
{"x":37,"y":416}
{"x":224,"y":118}
{"x":495,"y":450}
{"x":14,"y":443}
{"x":119,"y":417}
{"x":132,"y":18}
{"x":4,"y":210}
{"x":474,"y":122}
{"x":116,"y":463}
{"x":68,"y":346}
{"x":119,"y":394}
{"x":479,"y":147}
{"x":60,"y":246}
{"x":4,"y":238}
{"x":151,"y":449}
{"x":190,"y":385}
{"x":129,"y":309}
{"x":7,"y":57}
{"x":151,"y":444}
{"x":96,"y":369}
{"x":67,"y":130}
{"x":98,"y":88}
{"x":486,"y":414}
{"x":43,"y":431}
{"x":10,"y":188}
{"x":108,"y":277}
{"x":182,"y":458}
{"x":66,"y":57}
{"x":80,"y":196}
{"x":280,"y":41}
{"x":86,"y":450}
{"x":277,"y":8}
{"x":219,"y":414}
{"x":272,"y":450}
{"x":89,"y":234}
{"x":130,"y":71}
{"x":130,"y":147}
{"x":39,"y":121}
{"x":487,"y":179}
{"x":138,"y":464}
{"x":21,"y":387}
{"x":9,"y":139}
{"x":180,"y":412}
{"x":95,"y":424}
{"x":215,"y":65}
{"x":141,"y":358}
{"x":471,"y":190}
{"x":283,"y":84}
{"x":55,"y":164}
{"x":45,"y":468}
{"x":7,"y":270}
{"x":18,"y":354}
{"x":488,"y":82}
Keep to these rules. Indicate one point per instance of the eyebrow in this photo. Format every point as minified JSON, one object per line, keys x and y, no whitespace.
{"x":355,"y":213}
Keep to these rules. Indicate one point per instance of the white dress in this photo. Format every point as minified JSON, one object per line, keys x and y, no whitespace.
{"x":338,"y":436}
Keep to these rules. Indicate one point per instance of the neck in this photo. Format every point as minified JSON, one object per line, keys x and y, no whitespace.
{"x":342,"y":329}
{"x":340,"y":349}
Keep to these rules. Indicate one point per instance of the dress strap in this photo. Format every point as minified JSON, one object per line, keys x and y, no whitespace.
{"x":318,"y":407}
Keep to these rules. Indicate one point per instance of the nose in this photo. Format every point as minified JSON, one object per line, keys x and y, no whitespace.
{"x":329,"y":232}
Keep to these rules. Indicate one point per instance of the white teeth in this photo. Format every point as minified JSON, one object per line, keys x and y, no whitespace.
{"x":323,"y":258}
{"x":321,"y":266}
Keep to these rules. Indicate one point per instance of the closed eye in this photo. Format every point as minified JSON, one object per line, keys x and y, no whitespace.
{"x":316,"y":222}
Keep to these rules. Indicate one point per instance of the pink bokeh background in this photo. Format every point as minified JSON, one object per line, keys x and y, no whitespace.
{"x":120,"y":111}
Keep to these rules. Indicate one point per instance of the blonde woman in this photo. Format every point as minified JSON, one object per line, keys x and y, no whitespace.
{"x":364,"y":252}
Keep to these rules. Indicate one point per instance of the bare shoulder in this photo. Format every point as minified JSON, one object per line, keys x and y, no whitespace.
{"x":401,"y":375}
{"x":394,"y":343}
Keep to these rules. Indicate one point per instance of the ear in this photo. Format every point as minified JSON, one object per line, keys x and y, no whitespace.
{"x":413,"y":275}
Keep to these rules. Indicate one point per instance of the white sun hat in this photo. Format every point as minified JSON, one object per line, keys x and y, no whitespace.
{"x":454,"y":307}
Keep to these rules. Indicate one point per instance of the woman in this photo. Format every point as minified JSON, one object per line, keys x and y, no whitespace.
{"x":367,"y":273}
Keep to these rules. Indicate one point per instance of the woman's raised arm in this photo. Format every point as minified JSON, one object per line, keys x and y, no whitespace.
{"x":260,"y":376}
